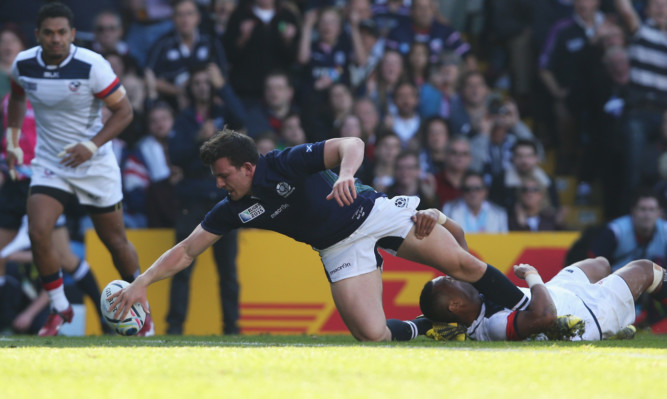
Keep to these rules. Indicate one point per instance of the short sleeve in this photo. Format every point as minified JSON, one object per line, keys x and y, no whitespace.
{"x":300,"y":160}
{"x":103,"y":81}
{"x":220,"y":220}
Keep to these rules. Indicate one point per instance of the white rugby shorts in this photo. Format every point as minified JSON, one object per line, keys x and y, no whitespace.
{"x":388,"y":223}
{"x":97,"y":184}
{"x":609,"y":301}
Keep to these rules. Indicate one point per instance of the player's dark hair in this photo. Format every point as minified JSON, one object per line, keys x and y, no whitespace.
{"x":227,"y":143}
{"x":428,"y":303}
{"x":55,"y":10}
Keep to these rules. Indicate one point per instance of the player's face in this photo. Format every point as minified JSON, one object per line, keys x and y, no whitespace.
{"x":55,"y":35}
{"x":236,"y":180}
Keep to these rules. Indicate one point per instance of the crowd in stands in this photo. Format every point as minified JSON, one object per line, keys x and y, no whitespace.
{"x":459,"y":102}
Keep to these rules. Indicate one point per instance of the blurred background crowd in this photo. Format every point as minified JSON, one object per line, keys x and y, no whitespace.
{"x":509,"y":115}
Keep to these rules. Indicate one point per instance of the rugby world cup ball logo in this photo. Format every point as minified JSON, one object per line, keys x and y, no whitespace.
{"x":284,"y":190}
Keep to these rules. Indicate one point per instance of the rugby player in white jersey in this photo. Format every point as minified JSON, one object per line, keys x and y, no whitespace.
{"x":604,"y":302}
{"x":67,"y":87}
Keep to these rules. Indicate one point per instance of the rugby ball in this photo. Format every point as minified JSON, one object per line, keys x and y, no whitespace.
{"x":133,"y":321}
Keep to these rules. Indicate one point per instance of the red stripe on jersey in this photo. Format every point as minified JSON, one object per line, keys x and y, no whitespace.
{"x":510,"y":330}
{"x":16,"y":89}
{"x":110,"y":89}
{"x":53,"y":284}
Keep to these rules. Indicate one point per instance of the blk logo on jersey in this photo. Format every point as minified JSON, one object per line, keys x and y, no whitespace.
{"x":48,"y":74}
{"x":284,"y":190}
{"x":74,"y":85}
{"x":251,"y":213}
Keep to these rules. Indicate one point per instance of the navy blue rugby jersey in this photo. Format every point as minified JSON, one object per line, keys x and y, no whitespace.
{"x":289,"y":192}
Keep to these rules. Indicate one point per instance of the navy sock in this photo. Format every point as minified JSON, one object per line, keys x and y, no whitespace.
{"x":499,"y":289}
{"x":86,"y":282}
{"x":661,"y":294}
{"x":407,"y":330}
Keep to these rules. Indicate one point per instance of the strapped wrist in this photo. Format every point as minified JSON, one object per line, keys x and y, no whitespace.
{"x":90,"y":146}
{"x":533,"y":278}
{"x":12,"y":139}
{"x":442,"y":218}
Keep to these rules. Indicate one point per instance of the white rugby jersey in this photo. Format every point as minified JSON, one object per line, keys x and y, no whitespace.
{"x":67,"y":100}
{"x":496,"y":323}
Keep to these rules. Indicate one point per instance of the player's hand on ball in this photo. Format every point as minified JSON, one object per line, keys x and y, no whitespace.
{"x":425,"y":221}
{"x":135,"y":292}
{"x":522,"y":269}
{"x":343,"y":191}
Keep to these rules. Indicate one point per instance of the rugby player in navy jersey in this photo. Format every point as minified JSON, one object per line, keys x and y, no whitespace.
{"x":295,"y":193}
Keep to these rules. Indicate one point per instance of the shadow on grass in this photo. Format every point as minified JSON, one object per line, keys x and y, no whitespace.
{"x":642,"y":340}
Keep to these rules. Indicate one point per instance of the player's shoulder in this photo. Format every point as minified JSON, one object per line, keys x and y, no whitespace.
{"x":88,"y":56}
{"x":27,"y":55}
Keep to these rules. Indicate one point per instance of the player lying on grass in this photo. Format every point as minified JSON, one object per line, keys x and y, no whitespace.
{"x":295,"y":193}
{"x":605,"y":302}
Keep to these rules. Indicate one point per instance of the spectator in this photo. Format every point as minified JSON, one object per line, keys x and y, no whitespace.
{"x":148,"y":176}
{"x":266,"y":142}
{"x":423,"y":27}
{"x":387,"y":148}
{"x":108,"y":30}
{"x":473,"y":211}
{"x":406,"y":120}
{"x":269,"y":115}
{"x":434,"y":132}
{"x":340,"y":106}
{"x":11,"y":43}
{"x":292,"y":133}
{"x":374,"y":47}
{"x":261,"y":37}
{"x":418,"y":65}
{"x":389,"y":13}
{"x":469,"y":108}
{"x":564,"y":69}
{"x":370,"y":123}
{"x":221,"y":11}
{"x":148,"y":21}
{"x":525,"y":163}
{"x":457,"y":163}
{"x":640,"y":234}
{"x":182,"y":49}
{"x":410,"y":180}
{"x":437,"y":95}
{"x":197,"y":193}
{"x":532,"y":210}
{"x":350,"y":126}
{"x":647,"y":91}
{"x":381,"y":84}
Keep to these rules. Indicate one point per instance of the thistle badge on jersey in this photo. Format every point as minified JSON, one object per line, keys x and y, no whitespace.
{"x":284,"y":190}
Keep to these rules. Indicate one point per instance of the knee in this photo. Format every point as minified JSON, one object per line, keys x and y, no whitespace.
{"x":116,"y":244}
{"x":604,"y":264}
{"x":374,"y":334}
{"x":40,"y":234}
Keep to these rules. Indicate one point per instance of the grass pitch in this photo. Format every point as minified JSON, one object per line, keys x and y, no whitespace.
{"x":328,"y":367}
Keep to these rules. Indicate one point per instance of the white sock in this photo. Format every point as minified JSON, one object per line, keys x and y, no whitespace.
{"x":58,"y":299}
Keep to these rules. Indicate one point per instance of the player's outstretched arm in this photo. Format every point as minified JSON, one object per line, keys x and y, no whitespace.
{"x":171,"y":262}
{"x":348,"y":152}
{"x":541,"y":313}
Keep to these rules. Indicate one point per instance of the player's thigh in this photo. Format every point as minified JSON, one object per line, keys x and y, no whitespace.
{"x":595,"y":268}
{"x":441,"y":251}
{"x":359,"y":302}
{"x":638,"y":275}
{"x":109,"y":225}
{"x":43,"y":212}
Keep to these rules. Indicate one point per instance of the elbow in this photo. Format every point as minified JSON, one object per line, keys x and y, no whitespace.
{"x":546,"y":320}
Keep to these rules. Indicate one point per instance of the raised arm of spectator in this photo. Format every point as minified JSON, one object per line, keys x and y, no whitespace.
{"x":628,"y":14}
{"x":234,"y":111}
{"x":541,"y":313}
{"x":310,"y":19}
{"x":360,"y":54}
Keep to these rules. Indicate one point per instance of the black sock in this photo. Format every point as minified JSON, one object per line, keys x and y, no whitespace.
{"x":86,"y":282}
{"x":407,"y":330}
{"x":661,"y":294}
{"x":499,"y":289}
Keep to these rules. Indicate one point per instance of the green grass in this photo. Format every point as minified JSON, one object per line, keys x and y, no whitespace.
{"x":193,"y":367}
